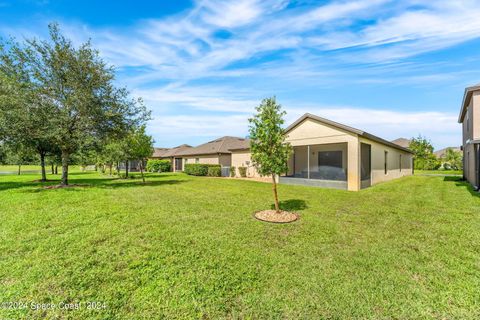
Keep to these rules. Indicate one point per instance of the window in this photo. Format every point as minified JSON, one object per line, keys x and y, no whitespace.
{"x":197,"y":160}
{"x":400,"y":162}
{"x":467,"y":121}
{"x":385,"y":163}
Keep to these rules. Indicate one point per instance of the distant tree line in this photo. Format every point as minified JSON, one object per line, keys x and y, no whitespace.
{"x":59,"y":106}
{"x":425,"y":159}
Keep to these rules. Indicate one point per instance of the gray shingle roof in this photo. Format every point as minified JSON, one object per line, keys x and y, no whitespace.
{"x":170,"y":152}
{"x":402,"y":142}
{"x":220,"y":145}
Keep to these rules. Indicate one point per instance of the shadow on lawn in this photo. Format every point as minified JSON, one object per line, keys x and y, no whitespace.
{"x":104,"y":183}
{"x":459,"y":182}
{"x":292,"y":205}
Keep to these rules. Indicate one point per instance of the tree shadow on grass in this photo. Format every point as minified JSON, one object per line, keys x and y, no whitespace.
{"x":292,"y":205}
{"x":103,"y":183}
{"x":460,"y":182}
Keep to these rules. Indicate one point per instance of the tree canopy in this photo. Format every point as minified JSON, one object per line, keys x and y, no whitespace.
{"x":270,"y":152}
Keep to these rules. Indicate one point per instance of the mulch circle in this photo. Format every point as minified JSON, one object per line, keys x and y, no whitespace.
{"x":274,"y":217}
{"x":61,"y":186}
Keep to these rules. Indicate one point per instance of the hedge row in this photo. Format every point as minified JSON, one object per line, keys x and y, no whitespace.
{"x":200,"y":169}
{"x":159,"y":165}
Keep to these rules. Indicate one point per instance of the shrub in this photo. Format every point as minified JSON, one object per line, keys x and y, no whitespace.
{"x":155,"y":165}
{"x":242,"y":171}
{"x":198,"y":169}
{"x":232,"y":171}
{"x":214,"y":172}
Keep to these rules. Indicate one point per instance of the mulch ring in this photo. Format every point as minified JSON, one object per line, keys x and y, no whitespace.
{"x":274,"y":217}
{"x":61,"y":186}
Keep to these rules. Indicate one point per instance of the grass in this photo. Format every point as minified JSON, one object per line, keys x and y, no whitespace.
{"x":440,"y":172}
{"x":188,"y":247}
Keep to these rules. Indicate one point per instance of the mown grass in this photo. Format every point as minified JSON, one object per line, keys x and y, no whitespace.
{"x":440,"y":172}
{"x":188,"y":247}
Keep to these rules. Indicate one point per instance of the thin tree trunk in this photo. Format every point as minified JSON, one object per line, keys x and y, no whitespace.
{"x":118,"y":168}
{"x":56,"y":169}
{"x":19,"y":168}
{"x":65,"y":157}
{"x":274,"y":186}
{"x":141,"y":171}
{"x":53,"y":169}
{"x":126,"y":169}
{"x":42,"y":164}
{"x":110,"y":166}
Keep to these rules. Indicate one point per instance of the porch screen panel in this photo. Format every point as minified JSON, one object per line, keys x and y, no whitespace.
{"x":330,"y":166}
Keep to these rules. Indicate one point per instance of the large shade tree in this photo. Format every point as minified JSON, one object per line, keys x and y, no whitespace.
{"x":269,"y":150}
{"x":79,"y":87}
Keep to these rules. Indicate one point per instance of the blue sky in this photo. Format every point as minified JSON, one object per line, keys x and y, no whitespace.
{"x":392,"y":68}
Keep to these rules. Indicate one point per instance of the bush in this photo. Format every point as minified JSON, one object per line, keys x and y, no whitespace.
{"x":232,"y":171}
{"x":158,"y":165}
{"x":199,"y":169}
{"x":242,"y":171}
{"x":214,"y":172}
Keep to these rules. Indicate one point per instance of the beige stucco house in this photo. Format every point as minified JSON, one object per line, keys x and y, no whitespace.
{"x":470,"y":119}
{"x":213,"y":152}
{"x":171,"y":154}
{"x":330,"y":154}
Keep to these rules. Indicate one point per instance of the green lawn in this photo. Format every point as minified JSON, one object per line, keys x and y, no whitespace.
{"x":188,"y":247}
{"x":440,"y":172}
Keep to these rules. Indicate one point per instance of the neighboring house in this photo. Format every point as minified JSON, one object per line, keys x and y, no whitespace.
{"x":330,"y":154}
{"x":241,"y":157}
{"x":402,"y":142}
{"x":171,"y":154}
{"x":442,"y":152}
{"x":213,"y":152}
{"x":327,"y":153}
{"x":470,"y":119}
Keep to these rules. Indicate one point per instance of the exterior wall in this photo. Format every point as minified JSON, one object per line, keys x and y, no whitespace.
{"x":393,"y":162}
{"x":242,"y":158}
{"x":470,"y":131}
{"x":204,"y":159}
{"x":311,"y":132}
{"x":225,"y":160}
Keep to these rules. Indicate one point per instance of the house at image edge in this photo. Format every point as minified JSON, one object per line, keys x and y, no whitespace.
{"x":325,"y":154}
{"x":470,"y":119}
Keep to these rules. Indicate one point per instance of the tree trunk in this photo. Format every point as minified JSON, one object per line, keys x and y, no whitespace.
{"x":141,"y":171}
{"x":53,"y":169}
{"x":118,"y":168}
{"x":42,"y":164}
{"x":111,"y":165}
{"x":126,"y":169}
{"x":274,"y":186}
{"x":65,"y":156}
{"x":19,"y":168}
{"x":56,"y":169}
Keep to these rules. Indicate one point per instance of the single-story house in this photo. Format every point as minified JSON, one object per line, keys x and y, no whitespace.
{"x":213,"y":152}
{"x":330,"y":154}
{"x":470,"y":119}
{"x":172,"y":155}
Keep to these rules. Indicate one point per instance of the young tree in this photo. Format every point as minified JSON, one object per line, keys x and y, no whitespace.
{"x":270,"y":153}
{"x":78,"y":84}
{"x":140,"y":147}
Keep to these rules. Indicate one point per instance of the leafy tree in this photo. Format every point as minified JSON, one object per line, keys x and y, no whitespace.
{"x":80,"y":88}
{"x":453,"y":160}
{"x":139,"y":147}
{"x":424,"y":158}
{"x":270,"y":153}
{"x":26,"y":115}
